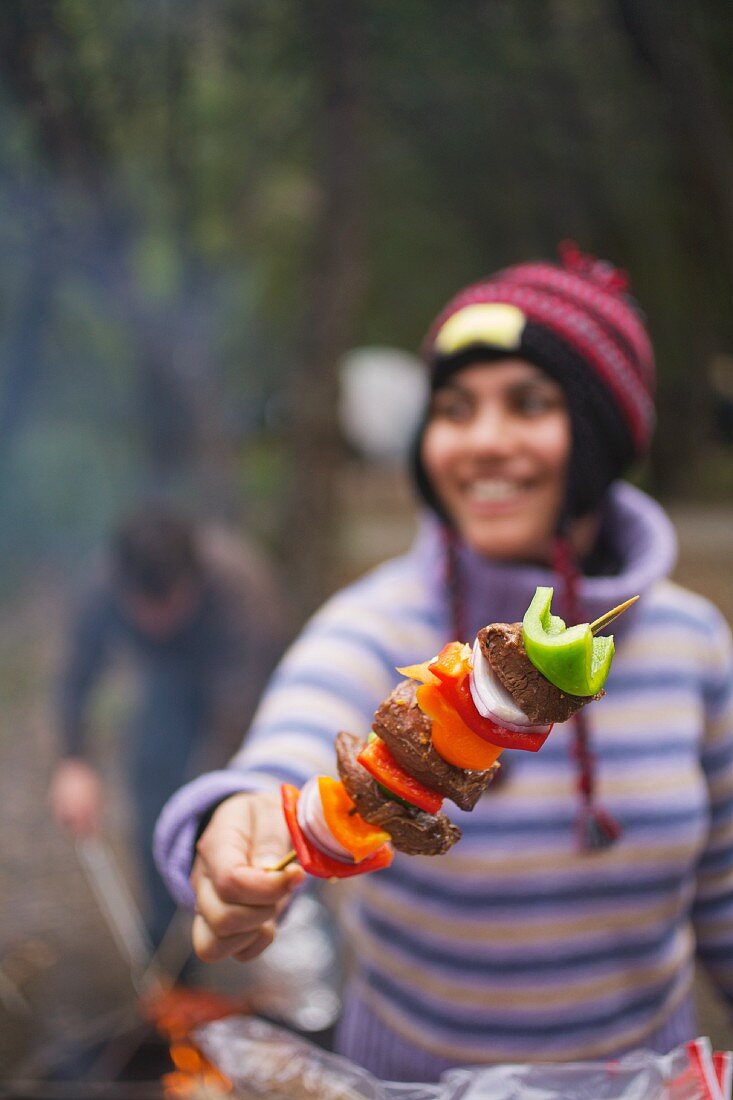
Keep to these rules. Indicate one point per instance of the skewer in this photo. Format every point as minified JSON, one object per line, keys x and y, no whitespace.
{"x":605,"y":620}
{"x":285,"y":861}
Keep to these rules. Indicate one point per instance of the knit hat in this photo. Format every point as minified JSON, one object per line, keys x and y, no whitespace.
{"x":577,"y":322}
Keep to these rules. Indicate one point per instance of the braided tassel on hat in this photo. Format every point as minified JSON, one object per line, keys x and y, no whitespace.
{"x":597,"y":828}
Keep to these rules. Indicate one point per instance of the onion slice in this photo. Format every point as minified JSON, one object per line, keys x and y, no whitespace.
{"x":493,"y":701}
{"x":313,"y":823}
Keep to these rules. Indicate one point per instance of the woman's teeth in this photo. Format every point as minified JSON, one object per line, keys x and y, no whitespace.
{"x":493,"y":489}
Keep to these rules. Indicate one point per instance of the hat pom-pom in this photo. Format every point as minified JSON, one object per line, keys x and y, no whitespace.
{"x":598,"y":830}
{"x":590,"y":267}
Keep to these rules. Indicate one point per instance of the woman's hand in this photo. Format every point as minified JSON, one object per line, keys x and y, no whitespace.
{"x":237,"y":898}
{"x":75,"y":797}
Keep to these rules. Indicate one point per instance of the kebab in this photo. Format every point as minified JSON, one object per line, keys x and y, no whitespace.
{"x":439,"y":735}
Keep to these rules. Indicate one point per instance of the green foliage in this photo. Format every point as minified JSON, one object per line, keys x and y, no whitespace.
{"x":66,"y":484}
{"x":161,"y":170}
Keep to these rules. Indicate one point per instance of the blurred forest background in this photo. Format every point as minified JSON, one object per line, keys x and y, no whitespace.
{"x":206,"y":203}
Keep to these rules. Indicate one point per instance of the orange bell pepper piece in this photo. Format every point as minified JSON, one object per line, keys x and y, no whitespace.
{"x":450,"y":697}
{"x":316,"y":862}
{"x":420,"y":672}
{"x":452,"y":738}
{"x":454,"y":660}
{"x":453,"y":668}
{"x":347,"y":826}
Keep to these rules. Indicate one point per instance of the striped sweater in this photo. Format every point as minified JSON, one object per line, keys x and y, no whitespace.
{"x":515,"y":946}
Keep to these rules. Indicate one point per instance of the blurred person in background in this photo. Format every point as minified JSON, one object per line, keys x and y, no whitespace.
{"x":201,"y":616}
{"x":565,"y":925}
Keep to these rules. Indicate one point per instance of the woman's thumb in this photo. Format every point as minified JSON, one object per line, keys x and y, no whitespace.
{"x":270,"y":840}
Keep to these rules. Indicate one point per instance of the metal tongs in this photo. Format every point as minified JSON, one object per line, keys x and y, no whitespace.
{"x":123,"y":918}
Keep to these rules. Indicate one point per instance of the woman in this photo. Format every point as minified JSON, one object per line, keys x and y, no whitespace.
{"x":532,"y":939}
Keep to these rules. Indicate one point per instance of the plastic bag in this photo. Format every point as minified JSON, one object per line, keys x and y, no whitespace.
{"x":689,"y":1072}
{"x":262,"y":1060}
{"x":266,"y":1061}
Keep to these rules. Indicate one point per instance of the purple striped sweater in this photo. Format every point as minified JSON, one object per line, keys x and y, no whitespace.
{"x":516,"y":946}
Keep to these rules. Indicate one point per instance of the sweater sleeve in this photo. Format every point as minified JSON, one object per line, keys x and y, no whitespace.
{"x":713,"y":908}
{"x":332,"y":678}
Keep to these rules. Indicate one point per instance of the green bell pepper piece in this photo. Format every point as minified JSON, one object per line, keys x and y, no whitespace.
{"x":569,"y":657}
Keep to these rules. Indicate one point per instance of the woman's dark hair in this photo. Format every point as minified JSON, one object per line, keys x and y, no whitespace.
{"x":153,"y":551}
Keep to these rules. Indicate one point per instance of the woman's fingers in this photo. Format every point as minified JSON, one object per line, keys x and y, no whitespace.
{"x":237,"y":897}
{"x":263,"y":939}
{"x":247,"y":830}
{"x":211,"y":948}
{"x":229,"y":920}
{"x":238,"y":884}
{"x":269,"y":838}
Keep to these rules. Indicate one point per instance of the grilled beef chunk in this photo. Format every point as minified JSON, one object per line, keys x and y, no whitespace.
{"x":407,"y":732}
{"x":412,"y":830}
{"x":541,"y":701}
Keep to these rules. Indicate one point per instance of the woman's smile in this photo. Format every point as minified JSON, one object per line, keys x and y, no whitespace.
{"x":493,"y":492}
{"x":495,"y":450}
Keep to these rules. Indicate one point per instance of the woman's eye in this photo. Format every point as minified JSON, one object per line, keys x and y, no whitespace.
{"x":535,"y":402}
{"x":448,"y":406}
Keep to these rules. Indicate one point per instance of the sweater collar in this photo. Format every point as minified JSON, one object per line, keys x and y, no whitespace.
{"x":494,"y":591}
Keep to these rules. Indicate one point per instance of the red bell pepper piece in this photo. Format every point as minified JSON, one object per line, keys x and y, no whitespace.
{"x":312,"y":859}
{"x":452,"y":668}
{"x":381,"y":764}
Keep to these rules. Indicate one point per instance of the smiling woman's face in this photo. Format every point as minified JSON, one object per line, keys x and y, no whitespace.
{"x":496,"y":450}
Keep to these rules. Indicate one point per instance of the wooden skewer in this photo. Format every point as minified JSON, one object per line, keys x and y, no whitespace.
{"x":284,"y":862}
{"x":605,"y":620}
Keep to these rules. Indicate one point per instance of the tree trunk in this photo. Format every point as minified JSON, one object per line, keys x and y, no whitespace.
{"x":334,"y":291}
{"x":704,"y":153}
{"x":661,"y":36}
{"x":24,"y":361}
{"x":71,"y":142}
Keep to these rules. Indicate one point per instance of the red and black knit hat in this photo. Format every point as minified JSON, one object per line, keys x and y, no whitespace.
{"x":577,"y":322}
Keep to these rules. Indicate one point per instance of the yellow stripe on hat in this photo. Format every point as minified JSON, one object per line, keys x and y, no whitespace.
{"x":495,"y":324}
